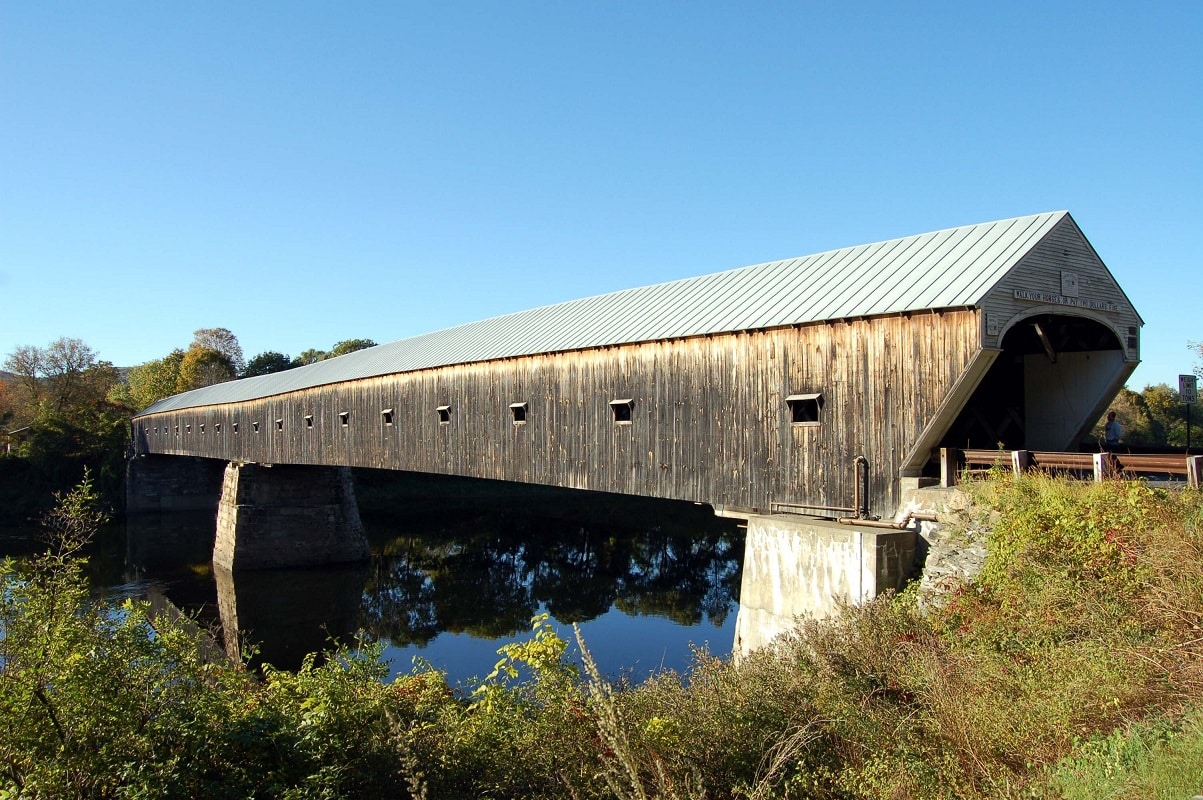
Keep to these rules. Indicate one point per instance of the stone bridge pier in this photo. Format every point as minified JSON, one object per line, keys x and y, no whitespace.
{"x":267,"y":516}
{"x":281,"y":516}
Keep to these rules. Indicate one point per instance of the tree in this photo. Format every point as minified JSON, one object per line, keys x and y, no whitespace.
{"x":93,"y":436}
{"x":1165,"y":410}
{"x":154,"y":380}
{"x":267,"y":363}
{"x":1153,"y":416}
{"x":349,"y":346}
{"x":224,"y":342}
{"x":310,"y":357}
{"x":120,"y":395}
{"x":27,"y":363}
{"x":73,"y":374}
{"x":72,"y":423}
{"x":60,"y":376}
{"x":203,"y":366}
{"x":341,"y":349}
{"x":1133,"y":415}
{"x":8,"y":402}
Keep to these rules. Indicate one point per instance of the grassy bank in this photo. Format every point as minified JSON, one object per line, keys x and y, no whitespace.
{"x":1072,"y":667}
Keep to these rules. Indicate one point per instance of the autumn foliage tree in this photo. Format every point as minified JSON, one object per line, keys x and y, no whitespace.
{"x":154,"y":380}
{"x":62,"y":393}
{"x":1153,"y":416}
{"x":224,"y":342}
{"x":204,"y":366}
{"x":59,"y":377}
{"x":213,"y":357}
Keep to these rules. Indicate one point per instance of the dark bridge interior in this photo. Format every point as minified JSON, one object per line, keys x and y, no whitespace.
{"x":998,"y":413}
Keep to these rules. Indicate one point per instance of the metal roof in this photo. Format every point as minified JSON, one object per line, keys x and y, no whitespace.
{"x":942,"y":269}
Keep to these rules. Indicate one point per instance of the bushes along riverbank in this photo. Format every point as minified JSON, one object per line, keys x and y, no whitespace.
{"x":1073,"y":666}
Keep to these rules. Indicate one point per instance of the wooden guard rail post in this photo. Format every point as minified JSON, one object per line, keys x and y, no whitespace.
{"x":1102,"y":466}
{"x":954,"y":462}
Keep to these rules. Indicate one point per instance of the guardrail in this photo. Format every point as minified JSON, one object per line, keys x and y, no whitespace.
{"x":1099,"y":466}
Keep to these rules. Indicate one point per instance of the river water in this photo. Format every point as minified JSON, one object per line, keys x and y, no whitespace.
{"x":459,"y":568}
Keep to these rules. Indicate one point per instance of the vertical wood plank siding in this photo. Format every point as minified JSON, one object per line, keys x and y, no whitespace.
{"x":709,"y":420}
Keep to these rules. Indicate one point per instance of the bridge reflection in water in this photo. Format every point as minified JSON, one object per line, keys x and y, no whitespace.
{"x":459,"y":567}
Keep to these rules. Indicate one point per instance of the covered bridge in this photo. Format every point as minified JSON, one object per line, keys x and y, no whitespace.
{"x":778,"y":385}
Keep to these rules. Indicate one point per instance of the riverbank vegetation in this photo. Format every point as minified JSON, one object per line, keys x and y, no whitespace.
{"x":58,"y":419}
{"x":64,"y":410}
{"x":1072,"y":666}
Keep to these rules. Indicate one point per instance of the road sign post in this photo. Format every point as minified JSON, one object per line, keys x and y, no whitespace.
{"x":1188,"y":392}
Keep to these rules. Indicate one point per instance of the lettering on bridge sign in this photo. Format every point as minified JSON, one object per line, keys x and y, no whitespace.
{"x":1188,"y":388}
{"x":1062,"y":300}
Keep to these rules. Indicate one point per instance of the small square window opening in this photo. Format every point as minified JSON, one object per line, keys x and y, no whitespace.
{"x":344,"y":418}
{"x":519,"y":412}
{"x":804,"y":408}
{"x":622,"y":410}
{"x":387,"y":416}
{"x":444,"y":415}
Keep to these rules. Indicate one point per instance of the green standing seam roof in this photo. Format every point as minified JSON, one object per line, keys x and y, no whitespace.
{"x":943,"y":269}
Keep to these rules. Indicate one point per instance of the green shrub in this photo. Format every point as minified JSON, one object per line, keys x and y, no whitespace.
{"x":1159,"y":758}
{"x":1065,"y":670}
{"x":93,"y":697}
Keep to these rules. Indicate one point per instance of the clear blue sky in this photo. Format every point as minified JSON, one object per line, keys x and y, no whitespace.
{"x":302,"y":173}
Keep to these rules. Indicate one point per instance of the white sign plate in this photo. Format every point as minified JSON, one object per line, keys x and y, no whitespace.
{"x":1069,"y":284}
{"x":1188,"y":388}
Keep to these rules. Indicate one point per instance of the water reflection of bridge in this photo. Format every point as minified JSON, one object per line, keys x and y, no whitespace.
{"x":477,"y":562}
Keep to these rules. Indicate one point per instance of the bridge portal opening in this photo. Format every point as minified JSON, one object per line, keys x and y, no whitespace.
{"x":1046,"y":388}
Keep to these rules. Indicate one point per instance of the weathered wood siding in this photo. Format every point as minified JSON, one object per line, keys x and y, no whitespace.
{"x":709,"y":421}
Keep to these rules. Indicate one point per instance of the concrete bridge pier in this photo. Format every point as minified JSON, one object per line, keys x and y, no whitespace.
{"x":801,"y":567}
{"x":282,"y":516}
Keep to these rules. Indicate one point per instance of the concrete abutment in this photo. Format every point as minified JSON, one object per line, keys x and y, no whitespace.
{"x":803,"y":567}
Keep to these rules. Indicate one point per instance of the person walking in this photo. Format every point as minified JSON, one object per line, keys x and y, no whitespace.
{"x":1113,"y":432}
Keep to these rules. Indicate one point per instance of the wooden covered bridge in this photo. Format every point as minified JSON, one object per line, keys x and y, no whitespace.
{"x":824,"y":384}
